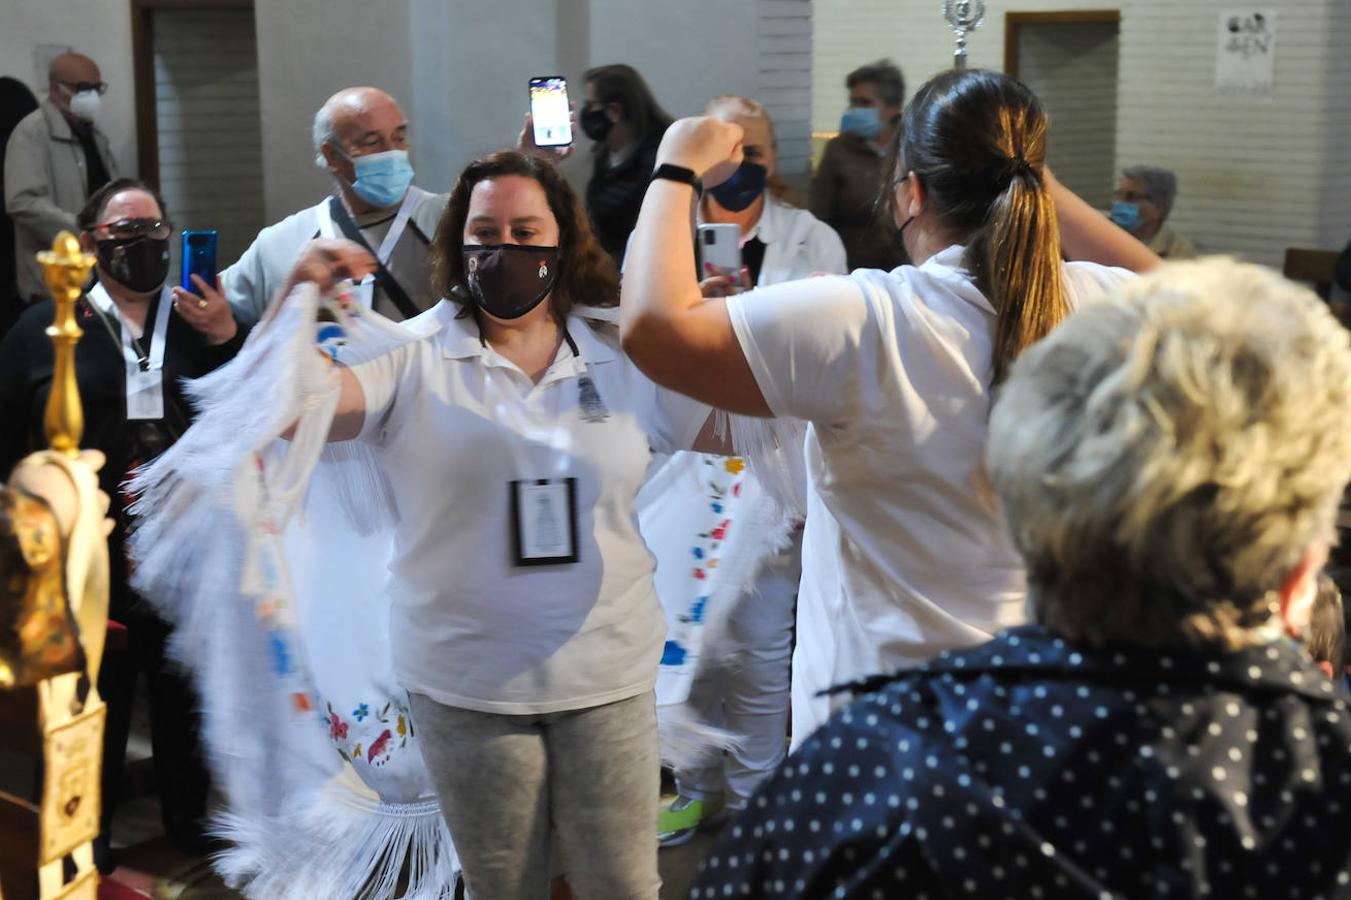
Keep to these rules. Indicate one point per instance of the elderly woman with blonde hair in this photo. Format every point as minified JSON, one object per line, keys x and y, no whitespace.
{"x":1170,"y":465}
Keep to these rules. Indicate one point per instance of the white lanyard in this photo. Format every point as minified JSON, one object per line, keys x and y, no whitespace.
{"x":411,"y":200}
{"x":144,"y":371}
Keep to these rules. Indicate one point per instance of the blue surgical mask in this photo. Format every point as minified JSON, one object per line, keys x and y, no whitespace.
{"x":743,"y":188}
{"x":382,"y":178}
{"x":1127,"y":215}
{"x":863,"y":121}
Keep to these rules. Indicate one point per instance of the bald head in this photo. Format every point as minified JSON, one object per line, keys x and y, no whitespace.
{"x":67,"y":74}
{"x":356,"y":121}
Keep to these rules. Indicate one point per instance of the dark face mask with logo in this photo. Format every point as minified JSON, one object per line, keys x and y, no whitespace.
{"x":140,"y":264}
{"x":743,"y":188}
{"x":508,"y":280}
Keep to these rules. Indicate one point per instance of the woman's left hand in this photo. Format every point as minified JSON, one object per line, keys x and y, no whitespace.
{"x":208,"y":312}
{"x":709,"y":147}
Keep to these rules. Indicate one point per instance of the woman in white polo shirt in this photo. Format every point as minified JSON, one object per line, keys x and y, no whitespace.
{"x":715,"y":529}
{"x":906,"y":553}
{"x":524,"y":621}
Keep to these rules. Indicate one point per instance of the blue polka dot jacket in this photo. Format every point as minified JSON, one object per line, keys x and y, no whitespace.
{"x":1032,"y":768}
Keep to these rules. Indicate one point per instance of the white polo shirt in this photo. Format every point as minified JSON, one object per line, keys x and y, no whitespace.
{"x":455,"y":422}
{"x":906,"y":552}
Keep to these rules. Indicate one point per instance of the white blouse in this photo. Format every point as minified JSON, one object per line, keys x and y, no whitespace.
{"x":906,"y":552}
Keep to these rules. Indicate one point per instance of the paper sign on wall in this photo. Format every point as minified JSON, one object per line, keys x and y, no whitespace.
{"x":1246,"y":53}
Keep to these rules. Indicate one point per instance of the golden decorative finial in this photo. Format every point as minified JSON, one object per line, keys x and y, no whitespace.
{"x":66,"y":268}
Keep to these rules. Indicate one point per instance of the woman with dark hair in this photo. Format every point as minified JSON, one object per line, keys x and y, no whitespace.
{"x":142,"y":338}
{"x":905,"y":553}
{"x":515,"y":435}
{"x":626,"y":124}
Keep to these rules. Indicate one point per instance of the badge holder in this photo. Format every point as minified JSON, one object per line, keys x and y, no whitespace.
{"x":544,"y":521}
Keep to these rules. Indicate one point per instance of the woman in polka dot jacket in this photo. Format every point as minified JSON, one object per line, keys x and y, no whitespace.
{"x":1170,"y":464}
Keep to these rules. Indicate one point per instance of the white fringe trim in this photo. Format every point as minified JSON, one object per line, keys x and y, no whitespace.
{"x":341,"y":847}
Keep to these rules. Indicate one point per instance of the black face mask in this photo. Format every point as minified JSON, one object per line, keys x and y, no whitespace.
{"x":508,"y":280}
{"x":595,"y":123}
{"x":140,"y":264}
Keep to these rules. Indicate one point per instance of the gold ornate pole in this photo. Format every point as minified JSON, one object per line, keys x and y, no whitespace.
{"x":66,"y":268}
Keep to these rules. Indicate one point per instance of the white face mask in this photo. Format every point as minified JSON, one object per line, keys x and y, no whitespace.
{"x":85,"y":105}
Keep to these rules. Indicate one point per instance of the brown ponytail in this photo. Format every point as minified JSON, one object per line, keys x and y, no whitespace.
{"x":977,"y":140}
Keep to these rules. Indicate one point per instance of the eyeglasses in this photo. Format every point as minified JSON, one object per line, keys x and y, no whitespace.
{"x":79,"y":87}
{"x":126,"y":229}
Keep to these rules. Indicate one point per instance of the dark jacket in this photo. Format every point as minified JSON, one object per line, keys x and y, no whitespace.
{"x":1029,"y":767}
{"x":615,"y":195}
{"x":26,"y":366}
{"x":845,"y":191}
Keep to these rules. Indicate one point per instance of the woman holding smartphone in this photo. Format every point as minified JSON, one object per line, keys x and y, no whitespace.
{"x":752,"y":568}
{"x":142,"y":338}
{"x":906,"y":553}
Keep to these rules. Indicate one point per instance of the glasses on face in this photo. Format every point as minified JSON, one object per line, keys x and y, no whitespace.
{"x":127,"y":229}
{"x":79,"y":87}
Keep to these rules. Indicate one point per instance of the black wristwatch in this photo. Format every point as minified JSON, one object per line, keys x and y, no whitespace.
{"x":678,"y":173}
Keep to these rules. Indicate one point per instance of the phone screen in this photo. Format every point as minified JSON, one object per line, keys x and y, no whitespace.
{"x":549,"y":111}
{"x":199,"y":258}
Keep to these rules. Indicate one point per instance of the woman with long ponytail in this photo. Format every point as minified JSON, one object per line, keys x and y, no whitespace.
{"x":906,"y":552}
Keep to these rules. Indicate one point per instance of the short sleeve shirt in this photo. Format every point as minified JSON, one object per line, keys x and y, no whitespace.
{"x":455,"y":423}
{"x":906,"y":553}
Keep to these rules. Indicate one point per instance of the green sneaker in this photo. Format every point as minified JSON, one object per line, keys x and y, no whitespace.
{"x":680,"y":821}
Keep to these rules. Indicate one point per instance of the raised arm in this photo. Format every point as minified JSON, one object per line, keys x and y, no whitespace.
{"x":1086,"y":234}
{"x":681,"y":340}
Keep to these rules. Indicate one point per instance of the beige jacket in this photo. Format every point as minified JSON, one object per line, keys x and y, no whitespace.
{"x":1171,"y":245}
{"x":44,"y":187}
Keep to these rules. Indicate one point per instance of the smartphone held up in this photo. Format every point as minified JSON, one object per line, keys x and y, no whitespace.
{"x":550,"y":111}
{"x":199,"y":258}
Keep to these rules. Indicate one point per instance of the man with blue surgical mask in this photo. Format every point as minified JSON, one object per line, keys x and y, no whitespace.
{"x":361,"y":139}
{"x":55,"y":160}
{"x":1144,"y":198}
{"x":849,"y":176}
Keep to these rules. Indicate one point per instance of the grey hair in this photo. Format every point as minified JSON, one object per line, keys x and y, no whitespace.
{"x":886,"y":75}
{"x":323,"y":133}
{"x":1160,"y":184}
{"x":1166,"y":459}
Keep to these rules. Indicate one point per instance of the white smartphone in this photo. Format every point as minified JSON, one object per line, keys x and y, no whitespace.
{"x":720,"y":246}
{"x":550,"y":112}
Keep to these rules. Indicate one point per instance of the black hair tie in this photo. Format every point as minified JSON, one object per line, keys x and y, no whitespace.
{"x":1017,"y":166}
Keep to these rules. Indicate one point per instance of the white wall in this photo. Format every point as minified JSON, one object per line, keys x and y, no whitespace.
{"x":308,"y":50}
{"x":102,"y":31}
{"x":1252,"y":175}
{"x":1254,"y":178}
{"x":459,"y":67}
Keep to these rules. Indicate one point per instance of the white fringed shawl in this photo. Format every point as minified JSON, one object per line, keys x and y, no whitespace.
{"x":269,"y":558}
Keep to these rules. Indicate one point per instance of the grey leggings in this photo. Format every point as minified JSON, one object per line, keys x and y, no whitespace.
{"x":509,"y":784}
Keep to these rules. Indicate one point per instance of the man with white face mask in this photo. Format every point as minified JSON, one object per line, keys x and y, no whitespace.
{"x":56,"y":158}
{"x":361,"y":140}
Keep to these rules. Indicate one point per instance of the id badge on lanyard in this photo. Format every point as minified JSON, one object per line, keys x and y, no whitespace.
{"x":543,"y":509}
{"x":365,"y":290}
{"x":144,"y":371}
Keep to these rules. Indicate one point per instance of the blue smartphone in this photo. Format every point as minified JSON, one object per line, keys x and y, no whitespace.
{"x":199,"y":258}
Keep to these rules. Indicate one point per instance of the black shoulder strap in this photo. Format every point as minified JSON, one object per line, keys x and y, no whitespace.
{"x":388,"y":283}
